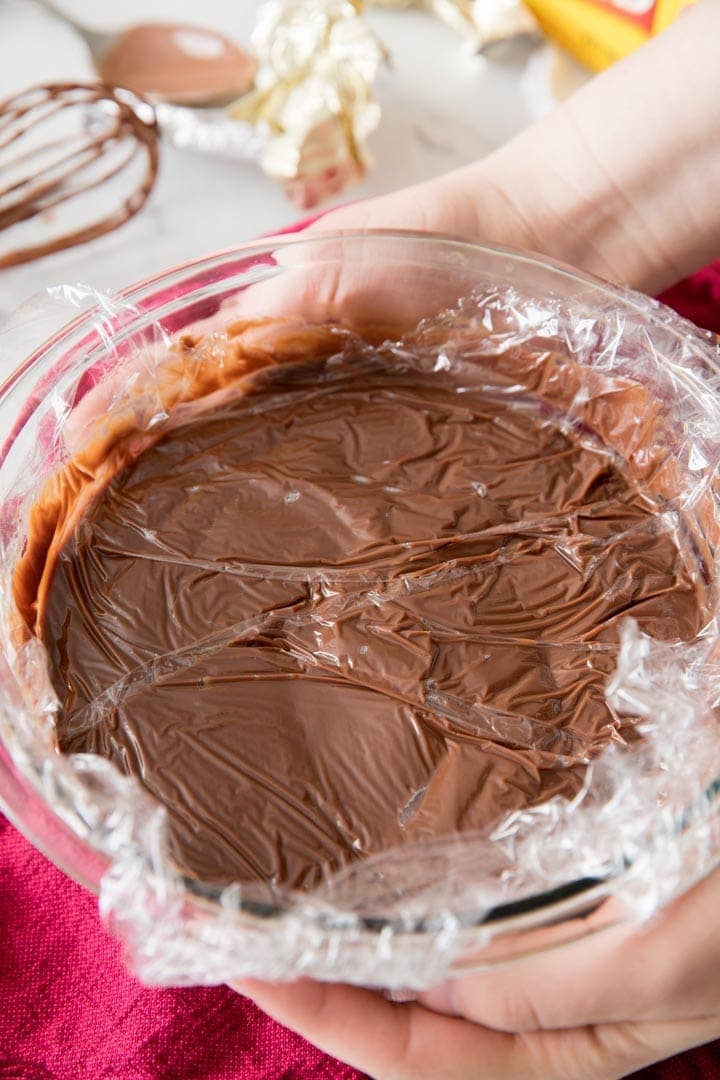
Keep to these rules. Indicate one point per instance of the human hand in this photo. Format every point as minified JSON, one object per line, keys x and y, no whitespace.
{"x":597,"y":1009}
{"x":619,"y":181}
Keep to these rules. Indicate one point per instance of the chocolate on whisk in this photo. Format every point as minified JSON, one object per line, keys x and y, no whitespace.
{"x":82,"y":158}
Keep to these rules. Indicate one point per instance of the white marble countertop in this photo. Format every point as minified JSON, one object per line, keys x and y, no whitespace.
{"x":442,"y":107}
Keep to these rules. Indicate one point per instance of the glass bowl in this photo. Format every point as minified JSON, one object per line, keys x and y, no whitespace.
{"x":382,"y":283}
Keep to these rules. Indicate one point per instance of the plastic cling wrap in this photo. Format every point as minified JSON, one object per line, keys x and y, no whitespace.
{"x":376,"y":649}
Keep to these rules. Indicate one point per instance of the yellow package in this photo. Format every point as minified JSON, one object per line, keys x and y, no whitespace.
{"x":599,"y":32}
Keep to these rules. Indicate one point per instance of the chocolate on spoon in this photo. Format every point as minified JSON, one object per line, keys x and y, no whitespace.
{"x":185,"y":65}
{"x":181,"y":64}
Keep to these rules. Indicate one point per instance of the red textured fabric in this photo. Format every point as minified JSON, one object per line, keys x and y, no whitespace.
{"x":70,"y":1011}
{"x":698,"y":298}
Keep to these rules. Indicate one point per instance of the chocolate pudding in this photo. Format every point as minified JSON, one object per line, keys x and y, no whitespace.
{"x":349,"y":601}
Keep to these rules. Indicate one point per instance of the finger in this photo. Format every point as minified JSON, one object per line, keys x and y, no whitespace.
{"x":379,"y":287}
{"x":387,"y":1040}
{"x":661,"y":970}
{"x":607,"y":1051}
{"x":638,"y":1045}
{"x":356,"y":1025}
{"x":408,"y":1042}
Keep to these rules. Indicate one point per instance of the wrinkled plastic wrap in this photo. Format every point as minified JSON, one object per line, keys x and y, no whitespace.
{"x":642,"y":827}
{"x":313,"y":107}
{"x":313,"y":94}
{"x":480,"y":22}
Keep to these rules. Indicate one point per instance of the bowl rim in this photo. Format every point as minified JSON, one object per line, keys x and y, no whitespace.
{"x":301,"y":237}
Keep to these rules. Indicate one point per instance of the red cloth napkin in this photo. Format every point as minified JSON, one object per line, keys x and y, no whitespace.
{"x":698,"y":298}
{"x":70,"y":1011}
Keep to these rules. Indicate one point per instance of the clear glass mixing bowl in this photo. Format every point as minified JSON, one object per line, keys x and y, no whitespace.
{"x":383,"y":283}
